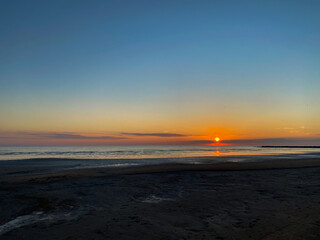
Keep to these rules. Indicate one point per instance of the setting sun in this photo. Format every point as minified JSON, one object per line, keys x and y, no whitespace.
{"x":217,"y":139}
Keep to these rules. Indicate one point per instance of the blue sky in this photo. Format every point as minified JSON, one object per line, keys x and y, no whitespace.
{"x":159,"y":58}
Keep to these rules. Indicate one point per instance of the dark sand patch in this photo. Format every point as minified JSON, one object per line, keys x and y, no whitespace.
{"x":60,"y":174}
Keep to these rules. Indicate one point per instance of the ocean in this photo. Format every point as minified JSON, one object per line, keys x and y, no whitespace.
{"x":138,"y":152}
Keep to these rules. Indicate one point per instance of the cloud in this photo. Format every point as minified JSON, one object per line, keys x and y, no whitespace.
{"x":297,"y":130}
{"x":64,"y":135}
{"x":262,"y":141}
{"x":258,"y":141}
{"x":76,"y":136}
{"x":155,"y":134}
{"x":196,"y":142}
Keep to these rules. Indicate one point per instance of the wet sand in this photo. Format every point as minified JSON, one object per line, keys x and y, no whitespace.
{"x":265,"y":200}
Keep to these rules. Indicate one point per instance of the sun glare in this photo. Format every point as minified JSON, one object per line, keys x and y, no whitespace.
{"x":217,"y":139}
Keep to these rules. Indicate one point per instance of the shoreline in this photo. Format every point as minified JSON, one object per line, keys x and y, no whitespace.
{"x":63,"y":174}
{"x":266,"y":146}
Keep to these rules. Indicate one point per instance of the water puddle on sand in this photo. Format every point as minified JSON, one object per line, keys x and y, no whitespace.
{"x":153,"y":199}
{"x":36,"y":217}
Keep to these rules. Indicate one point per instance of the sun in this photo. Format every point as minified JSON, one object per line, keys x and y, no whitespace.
{"x":217,"y":139}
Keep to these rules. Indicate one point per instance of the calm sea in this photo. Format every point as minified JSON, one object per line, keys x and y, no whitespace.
{"x":138,"y":152}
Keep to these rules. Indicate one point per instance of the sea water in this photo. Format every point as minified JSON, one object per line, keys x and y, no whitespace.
{"x":53,"y":158}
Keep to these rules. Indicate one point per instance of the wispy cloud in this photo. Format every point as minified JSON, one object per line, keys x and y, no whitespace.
{"x":76,"y":136}
{"x":155,"y":134}
{"x":262,"y":141}
{"x":296,"y":130}
{"x":259,"y":141}
{"x":63,"y":135}
{"x":195,"y":142}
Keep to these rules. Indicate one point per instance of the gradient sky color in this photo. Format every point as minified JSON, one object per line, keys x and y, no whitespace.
{"x":159,"y":72}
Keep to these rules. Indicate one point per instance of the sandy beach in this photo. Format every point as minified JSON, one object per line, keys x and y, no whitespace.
{"x":265,"y":200}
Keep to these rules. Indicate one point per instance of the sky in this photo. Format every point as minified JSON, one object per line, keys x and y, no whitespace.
{"x":159,"y":72}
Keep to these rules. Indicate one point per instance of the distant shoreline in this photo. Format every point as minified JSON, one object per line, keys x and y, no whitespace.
{"x":290,"y":146}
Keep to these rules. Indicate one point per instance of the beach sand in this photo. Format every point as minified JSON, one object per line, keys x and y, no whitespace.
{"x":265,"y":200}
